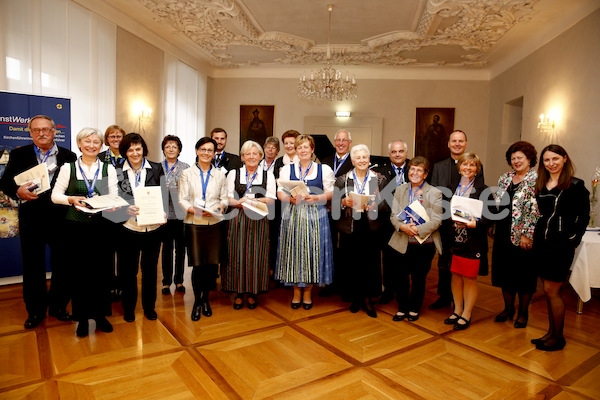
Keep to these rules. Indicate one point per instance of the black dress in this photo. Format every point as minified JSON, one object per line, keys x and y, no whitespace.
{"x":513,"y":268}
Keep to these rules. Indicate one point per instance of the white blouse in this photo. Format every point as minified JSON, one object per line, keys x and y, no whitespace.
{"x":327,"y":175}
{"x":258,"y":181}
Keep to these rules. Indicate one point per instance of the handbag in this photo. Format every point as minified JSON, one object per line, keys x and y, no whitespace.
{"x":468,"y":267}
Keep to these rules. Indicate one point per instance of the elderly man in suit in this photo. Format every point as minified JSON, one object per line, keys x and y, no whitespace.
{"x":39,"y":221}
{"x":223,"y":160}
{"x":446,"y":175}
{"x":396,"y":173}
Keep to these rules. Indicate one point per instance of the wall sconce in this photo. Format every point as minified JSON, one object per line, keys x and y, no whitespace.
{"x":547,"y":124}
{"x":345,"y":114}
{"x":142,"y":113}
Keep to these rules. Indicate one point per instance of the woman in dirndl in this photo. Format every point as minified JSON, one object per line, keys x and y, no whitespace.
{"x":247,"y":270}
{"x":305,"y":254}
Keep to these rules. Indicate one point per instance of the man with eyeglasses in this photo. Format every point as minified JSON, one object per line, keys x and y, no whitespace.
{"x":223,"y":160}
{"x":446,"y":175}
{"x":396,"y":174}
{"x":39,"y":223}
{"x":340,"y":163}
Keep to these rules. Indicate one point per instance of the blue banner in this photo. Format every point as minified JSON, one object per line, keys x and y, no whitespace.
{"x":15,"y":112}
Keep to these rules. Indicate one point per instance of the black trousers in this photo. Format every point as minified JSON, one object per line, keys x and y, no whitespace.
{"x":139,"y":248}
{"x":41,"y":225}
{"x":412,"y":269}
{"x":173,"y":238}
{"x":444,"y":288}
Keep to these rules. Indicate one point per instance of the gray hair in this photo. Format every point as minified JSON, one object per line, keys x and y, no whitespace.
{"x":344,"y":130}
{"x":248,"y":144}
{"x":272,"y":140}
{"x":357,"y":148}
{"x":85,"y":132}
{"x":394,"y":141}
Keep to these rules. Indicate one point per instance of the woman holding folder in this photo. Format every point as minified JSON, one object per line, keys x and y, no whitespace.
{"x":305,"y":254}
{"x":360,"y":189}
{"x":203,"y":194}
{"x":416,"y":217}
{"x":139,"y":241}
{"x":249,"y":188}
{"x":469,"y":252}
{"x":90,"y":270}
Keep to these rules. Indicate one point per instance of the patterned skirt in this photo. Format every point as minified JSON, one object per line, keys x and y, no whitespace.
{"x":305,"y":252}
{"x":247,"y":270}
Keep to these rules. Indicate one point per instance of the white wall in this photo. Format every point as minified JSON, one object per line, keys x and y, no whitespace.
{"x":563,"y":76}
{"x":393,"y":100}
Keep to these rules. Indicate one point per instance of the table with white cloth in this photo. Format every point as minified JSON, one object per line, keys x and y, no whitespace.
{"x":585,"y":271}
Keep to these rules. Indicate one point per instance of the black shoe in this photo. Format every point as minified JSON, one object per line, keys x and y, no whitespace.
{"x":307,"y":306}
{"x":166,"y":290}
{"x":254,"y":304}
{"x":83,"y":328}
{"x":461,"y":327}
{"x":129,"y":316}
{"x":295,"y":306}
{"x":151,"y":315}
{"x":369,"y":309}
{"x":355,"y":307}
{"x":412,"y":317}
{"x":450,"y":320}
{"x":399,"y":316}
{"x":505,"y":315}
{"x":180,"y":288}
{"x":441,"y":302}
{"x":196,"y":313}
{"x":60,"y":314}
{"x":539,"y":340}
{"x":103,"y":325}
{"x":206,"y":310}
{"x":240,"y":305}
{"x":521,"y":321}
{"x":556,"y":344}
{"x":385,"y":298}
{"x":34,"y":320}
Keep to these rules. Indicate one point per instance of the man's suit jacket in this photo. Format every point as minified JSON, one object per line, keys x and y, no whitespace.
{"x":390,"y":175}
{"x":446,"y":174}
{"x":345,"y":167}
{"x":22,"y":159}
{"x":229,"y":161}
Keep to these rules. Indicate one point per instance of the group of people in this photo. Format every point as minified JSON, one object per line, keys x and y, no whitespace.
{"x":340,"y":224}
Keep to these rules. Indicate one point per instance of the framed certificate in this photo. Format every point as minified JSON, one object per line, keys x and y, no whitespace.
{"x":149,"y":200}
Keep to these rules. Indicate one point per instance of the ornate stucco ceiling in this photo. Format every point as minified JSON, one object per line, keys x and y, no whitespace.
{"x":450,"y":33}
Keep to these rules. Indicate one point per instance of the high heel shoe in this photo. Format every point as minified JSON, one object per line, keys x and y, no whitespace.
{"x":505,"y":315}
{"x":369,"y":309}
{"x":558,"y":344}
{"x":521,"y":321}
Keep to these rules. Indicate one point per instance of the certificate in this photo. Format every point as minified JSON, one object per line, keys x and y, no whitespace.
{"x":105,"y":202}
{"x":149,"y":200}
{"x":359,"y":201}
{"x":256,"y":206}
{"x":37,"y":175}
{"x":465,"y":208}
{"x":415,"y":213}
{"x":294,"y":188}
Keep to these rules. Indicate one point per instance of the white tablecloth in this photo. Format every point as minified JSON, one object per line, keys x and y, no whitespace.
{"x":585,"y":271}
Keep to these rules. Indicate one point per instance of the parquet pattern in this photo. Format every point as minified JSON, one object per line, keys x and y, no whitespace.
{"x":274,"y":352}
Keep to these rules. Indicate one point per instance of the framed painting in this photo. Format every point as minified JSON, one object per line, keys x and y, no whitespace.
{"x":433,"y":127}
{"x":256,"y":123}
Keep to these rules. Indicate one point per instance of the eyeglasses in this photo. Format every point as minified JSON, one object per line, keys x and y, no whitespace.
{"x":113,"y":137}
{"x":38,"y":130}
{"x":341,"y":140}
{"x":205,"y":151}
{"x":519,"y":158}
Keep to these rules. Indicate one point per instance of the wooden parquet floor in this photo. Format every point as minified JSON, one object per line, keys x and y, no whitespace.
{"x":274,"y":352}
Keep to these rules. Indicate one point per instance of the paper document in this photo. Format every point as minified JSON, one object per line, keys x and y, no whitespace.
{"x":295,"y":188}
{"x":213,"y":213}
{"x":37,"y":175}
{"x":463,"y":208}
{"x":105,"y":202}
{"x":360,"y":200}
{"x":415,"y":213}
{"x":149,"y":200}
{"x":256,"y":206}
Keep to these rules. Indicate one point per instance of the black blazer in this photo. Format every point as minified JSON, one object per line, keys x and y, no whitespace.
{"x":346,"y":165}
{"x":390,"y":175}
{"x":445,"y":174}
{"x":229,"y":161}
{"x":23,"y":158}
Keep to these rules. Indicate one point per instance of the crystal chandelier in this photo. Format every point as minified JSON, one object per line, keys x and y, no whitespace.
{"x":327,"y":83}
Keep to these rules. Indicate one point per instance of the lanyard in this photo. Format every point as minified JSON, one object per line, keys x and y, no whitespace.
{"x":169,"y":171}
{"x":204,"y":183}
{"x":399,"y":174}
{"x":267,"y":167}
{"x":90,"y":186}
{"x":362,"y":187}
{"x":218,"y":158}
{"x":115,"y":161}
{"x":338,"y":164}
{"x":37,"y":152}
{"x":462,"y":193}
{"x":138,"y":173}
{"x":250,"y":180}
{"x":303,"y":176}
{"x":410,"y":192}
